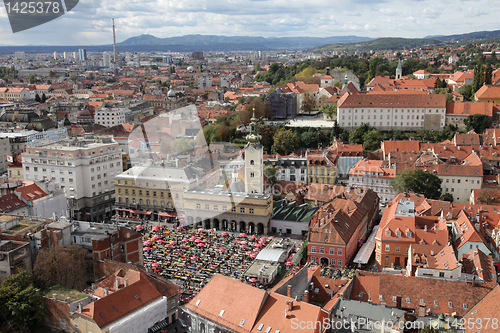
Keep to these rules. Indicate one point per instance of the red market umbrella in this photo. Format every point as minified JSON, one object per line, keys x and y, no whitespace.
{"x":211,"y":230}
{"x":168,"y":245}
{"x":253,"y":280}
{"x":156,"y":228}
{"x":201,"y":229}
{"x":256,"y":250}
{"x":184,"y":240}
{"x":200,"y":245}
{"x":253,"y":237}
{"x":253,"y":255}
{"x":249,"y":253}
{"x":243,"y":246}
{"x":146,"y":249}
{"x":179,"y":228}
{"x":243,"y":234}
{"x":173,"y":242}
{"x":197,"y":240}
{"x":160,"y":241}
{"x":222,"y":250}
{"x":258,"y":245}
{"x":193,"y":258}
{"x":288,"y":263}
{"x":139,"y":227}
{"x":155,"y":264}
{"x":271,"y":237}
{"x":225,"y":234}
{"x":244,"y":242}
{"x":161,"y":226}
{"x":291,"y":256}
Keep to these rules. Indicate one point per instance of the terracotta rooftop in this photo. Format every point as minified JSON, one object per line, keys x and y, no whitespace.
{"x":229,"y":302}
{"x":450,"y":296}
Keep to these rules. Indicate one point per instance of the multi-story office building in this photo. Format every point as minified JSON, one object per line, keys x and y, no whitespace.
{"x":82,"y":54}
{"x":110,"y":117}
{"x":85,"y":167}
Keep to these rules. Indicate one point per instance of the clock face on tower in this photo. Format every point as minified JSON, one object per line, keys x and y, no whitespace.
{"x":252,"y":150}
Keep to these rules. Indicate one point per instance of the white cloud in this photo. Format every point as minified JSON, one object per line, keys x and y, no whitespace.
{"x":90,"y":21}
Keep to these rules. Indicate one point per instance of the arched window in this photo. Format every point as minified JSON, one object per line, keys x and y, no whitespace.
{"x":162,"y":203}
{"x":133,"y":200}
{"x":155,"y":203}
{"x":169,"y":205}
{"x":126,"y":201}
{"x":148,"y":202}
{"x":140,"y":201}
{"x":119,"y":199}
{"x":252,"y":162}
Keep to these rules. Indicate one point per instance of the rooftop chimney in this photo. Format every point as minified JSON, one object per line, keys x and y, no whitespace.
{"x":125,"y":282}
{"x":80,"y":307}
{"x":117,"y":282}
{"x":289,"y":291}
{"x":55,"y":296}
{"x":398,"y":302}
{"x":450,"y":215}
{"x":425,"y":228}
{"x":106,"y":291}
{"x":289,"y":305}
{"x":306,"y":296}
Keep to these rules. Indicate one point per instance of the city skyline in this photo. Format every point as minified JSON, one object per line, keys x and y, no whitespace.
{"x":89,"y":23}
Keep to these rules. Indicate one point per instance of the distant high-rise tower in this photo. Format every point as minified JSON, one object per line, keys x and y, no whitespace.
{"x":82,"y":54}
{"x":399,"y":71}
{"x":114,"y":43}
{"x":55,"y":55}
{"x":106,"y":59}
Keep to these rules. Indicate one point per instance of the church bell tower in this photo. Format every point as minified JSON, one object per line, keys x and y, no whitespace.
{"x":254,"y":160}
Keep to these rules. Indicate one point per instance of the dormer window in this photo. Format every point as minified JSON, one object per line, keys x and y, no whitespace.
{"x":398,"y":233}
{"x":388,"y":233}
{"x":408,"y":234}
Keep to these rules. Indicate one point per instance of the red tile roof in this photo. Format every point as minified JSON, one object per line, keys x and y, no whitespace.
{"x":31,"y":192}
{"x":229,"y":302}
{"x":121,"y":303}
{"x":486,"y":308}
{"x":413,"y":289}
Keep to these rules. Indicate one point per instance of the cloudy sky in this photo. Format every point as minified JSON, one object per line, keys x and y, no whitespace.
{"x":89,"y":23}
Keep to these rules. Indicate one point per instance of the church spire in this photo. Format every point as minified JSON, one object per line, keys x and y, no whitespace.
{"x":253,"y":138}
{"x":399,"y":71}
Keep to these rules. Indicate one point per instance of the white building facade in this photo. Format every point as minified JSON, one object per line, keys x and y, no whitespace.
{"x":84,"y":167}
{"x":402,"y":112}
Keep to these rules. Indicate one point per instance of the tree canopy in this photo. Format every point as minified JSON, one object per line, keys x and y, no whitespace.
{"x":477,"y":122}
{"x":489,"y":197}
{"x":20,"y":302}
{"x":65,"y":265}
{"x":183,"y":146}
{"x":418,"y":182}
{"x":285,"y":141}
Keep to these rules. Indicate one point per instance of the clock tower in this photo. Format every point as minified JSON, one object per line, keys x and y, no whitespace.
{"x":254,"y":160}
